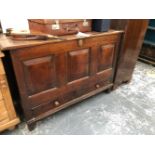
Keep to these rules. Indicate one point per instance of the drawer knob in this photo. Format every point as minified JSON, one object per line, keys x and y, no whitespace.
{"x":97,"y":86}
{"x":56,"y":103}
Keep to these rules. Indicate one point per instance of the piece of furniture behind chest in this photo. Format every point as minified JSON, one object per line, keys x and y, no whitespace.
{"x":8,"y":117}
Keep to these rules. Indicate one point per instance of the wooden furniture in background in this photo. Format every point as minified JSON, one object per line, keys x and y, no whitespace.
{"x":134,"y":31}
{"x":60,"y":26}
{"x":8,"y":117}
{"x":54,"y":74}
{"x":147,"y":53}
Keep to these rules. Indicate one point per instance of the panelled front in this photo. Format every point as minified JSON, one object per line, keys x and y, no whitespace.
{"x":52,"y":75}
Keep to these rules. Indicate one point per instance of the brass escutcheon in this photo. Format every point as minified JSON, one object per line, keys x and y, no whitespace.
{"x":80,"y":42}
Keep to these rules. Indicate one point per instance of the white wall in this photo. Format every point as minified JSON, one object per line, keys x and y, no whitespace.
{"x":17,"y":24}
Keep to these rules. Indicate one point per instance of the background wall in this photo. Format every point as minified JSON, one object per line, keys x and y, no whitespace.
{"x":17,"y":24}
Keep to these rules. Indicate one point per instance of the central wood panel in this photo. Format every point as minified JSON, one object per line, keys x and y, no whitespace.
{"x":78,"y":64}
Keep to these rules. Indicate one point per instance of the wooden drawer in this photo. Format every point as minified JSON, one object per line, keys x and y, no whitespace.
{"x":64,"y":100}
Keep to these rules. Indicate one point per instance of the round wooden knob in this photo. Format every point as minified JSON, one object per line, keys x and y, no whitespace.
{"x":97,"y":85}
{"x":56,"y":103}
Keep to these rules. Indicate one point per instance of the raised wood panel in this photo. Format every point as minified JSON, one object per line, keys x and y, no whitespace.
{"x":105,"y":57}
{"x":78,"y":64}
{"x":40,"y":74}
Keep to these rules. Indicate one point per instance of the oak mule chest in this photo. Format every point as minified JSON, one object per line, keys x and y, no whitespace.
{"x":54,"y":74}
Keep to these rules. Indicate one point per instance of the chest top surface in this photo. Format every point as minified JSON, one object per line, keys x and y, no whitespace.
{"x":6,"y":43}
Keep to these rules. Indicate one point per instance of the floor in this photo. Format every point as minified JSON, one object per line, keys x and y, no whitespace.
{"x":128,"y":110}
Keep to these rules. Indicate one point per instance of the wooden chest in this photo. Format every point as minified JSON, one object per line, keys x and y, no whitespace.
{"x":8,"y":118}
{"x":59,"y":27}
{"x":53,"y":75}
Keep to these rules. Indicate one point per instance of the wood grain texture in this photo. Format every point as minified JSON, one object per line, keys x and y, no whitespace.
{"x":8,"y":117}
{"x":130,"y":47}
{"x":66,"y":26}
{"x":78,"y":64}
